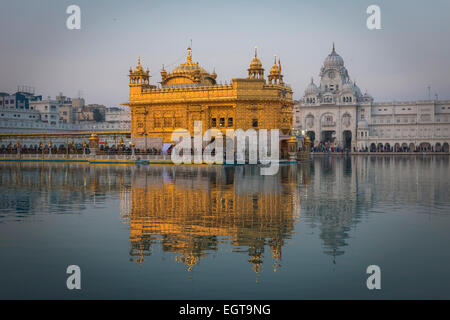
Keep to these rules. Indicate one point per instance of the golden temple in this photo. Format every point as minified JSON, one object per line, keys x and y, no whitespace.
{"x":189,"y":93}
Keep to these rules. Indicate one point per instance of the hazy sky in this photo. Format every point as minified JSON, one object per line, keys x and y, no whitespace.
{"x":398,"y":62}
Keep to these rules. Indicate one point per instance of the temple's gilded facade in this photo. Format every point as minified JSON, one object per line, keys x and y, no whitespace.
{"x":189,"y":93}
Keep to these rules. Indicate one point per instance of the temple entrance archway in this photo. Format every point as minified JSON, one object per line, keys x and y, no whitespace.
{"x":347,"y":138}
{"x":438,"y":147}
{"x":312,"y":136}
{"x":445,"y":147}
{"x":328,"y":136}
{"x":373,"y":147}
{"x":425,"y":146}
{"x":404,"y":147}
{"x":380,"y":147}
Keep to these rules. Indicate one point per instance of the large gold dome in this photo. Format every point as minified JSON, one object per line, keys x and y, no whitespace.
{"x":256,"y":63}
{"x":187,"y":73}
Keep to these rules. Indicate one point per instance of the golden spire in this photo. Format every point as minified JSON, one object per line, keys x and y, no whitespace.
{"x":163,"y":73}
{"x":139,"y":67}
{"x":275,"y":68}
{"x":189,"y":56}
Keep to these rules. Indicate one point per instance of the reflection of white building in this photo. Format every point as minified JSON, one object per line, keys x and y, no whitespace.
{"x":337,"y":112}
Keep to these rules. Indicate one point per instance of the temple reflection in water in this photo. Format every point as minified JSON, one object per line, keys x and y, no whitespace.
{"x":194,"y":211}
{"x":190,"y":211}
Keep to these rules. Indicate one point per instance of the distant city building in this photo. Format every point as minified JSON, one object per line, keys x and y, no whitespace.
{"x":48,"y":110}
{"x":17,"y":107}
{"x":337,"y":113}
{"x":18,"y":100}
{"x":78,"y":103}
{"x":118,"y":115}
{"x":25,"y":112}
{"x":66,"y":109}
{"x":91,"y":112}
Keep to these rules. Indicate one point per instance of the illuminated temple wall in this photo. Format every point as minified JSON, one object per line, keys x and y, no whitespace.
{"x":189,"y":93}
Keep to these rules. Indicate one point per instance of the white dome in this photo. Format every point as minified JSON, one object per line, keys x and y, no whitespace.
{"x":357,"y":90}
{"x":311,"y":88}
{"x":333,"y":60}
{"x":348,"y":87}
{"x":362,"y":124}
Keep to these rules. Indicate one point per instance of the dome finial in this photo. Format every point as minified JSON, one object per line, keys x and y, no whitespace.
{"x":139,"y":60}
{"x":312,"y":80}
{"x":275,"y":57}
{"x":256,"y":51}
{"x":189,"y":56}
{"x":333,"y":47}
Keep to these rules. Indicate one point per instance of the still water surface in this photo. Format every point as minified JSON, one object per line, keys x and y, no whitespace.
{"x":204,"y":232}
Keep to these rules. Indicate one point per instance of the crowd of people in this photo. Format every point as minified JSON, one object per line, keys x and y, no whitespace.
{"x":39,"y":149}
{"x":76,"y":149}
{"x":326,"y":147}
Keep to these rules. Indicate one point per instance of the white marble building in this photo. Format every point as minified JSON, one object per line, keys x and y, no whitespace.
{"x":337,"y":112}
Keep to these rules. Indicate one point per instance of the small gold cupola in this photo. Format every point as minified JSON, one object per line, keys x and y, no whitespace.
{"x":163,"y":74}
{"x":214,"y":74}
{"x":139,"y":77}
{"x":256,"y":70}
{"x":275,"y":76}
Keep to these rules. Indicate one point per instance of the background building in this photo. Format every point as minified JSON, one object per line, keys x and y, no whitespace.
{"x":48,"y":110}
{"x":25,"y":112}
{"x":118,"y":116}
{"x":338,"y":114}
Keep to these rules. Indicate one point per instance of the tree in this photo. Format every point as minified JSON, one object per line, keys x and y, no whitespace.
{"x":98,"y":117}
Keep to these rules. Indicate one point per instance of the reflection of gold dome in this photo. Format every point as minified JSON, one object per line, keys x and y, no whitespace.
{"x":307,"y":140}
{"x":188,"y":260}
{"x":188,"y":72}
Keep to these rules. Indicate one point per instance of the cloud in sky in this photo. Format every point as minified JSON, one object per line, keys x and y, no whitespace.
{"x":395,"y":63}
